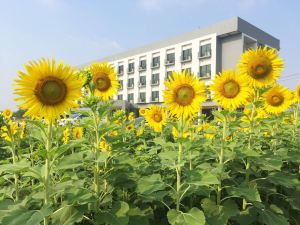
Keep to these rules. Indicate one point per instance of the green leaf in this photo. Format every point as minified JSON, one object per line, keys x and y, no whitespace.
{"x":250,"y":193}
{"x":116,"y":216}
{"x":284,"y":179}
{"x":202,"y":178}
{"x":147,"y":185}
{"x":219,"y":215}
{"x":194,"y":217}
{"x":67,"y":215}
{"x":15,"y":168}
{"x":138,"y":216}
{"x":71,"y":161}
{"x":23,"y":216}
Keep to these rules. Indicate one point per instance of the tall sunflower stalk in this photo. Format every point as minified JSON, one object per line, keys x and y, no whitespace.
{"x":221,"y":158}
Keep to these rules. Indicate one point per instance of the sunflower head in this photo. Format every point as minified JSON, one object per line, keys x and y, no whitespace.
{"x":130,"y":127}
{"x":297,"y":94}
{"x":261,"y":66}
{"x":105,"y":80}
{"x":156,"y":117}
{"x":7,"y":113}
{"x":142,"y":111}
{"x":230,"y":90}
{"x":277,"y":99}
{"x":48,"y":89}
{"x":131,"y":116}
{"x":77,"y":133}
{"x":183,"y":95}
{"x":113,"y":133}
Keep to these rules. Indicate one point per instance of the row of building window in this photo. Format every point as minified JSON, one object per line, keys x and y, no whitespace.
{"x":186,"y":56}
{"x":205,"y":72}
{"x":142,"y":97}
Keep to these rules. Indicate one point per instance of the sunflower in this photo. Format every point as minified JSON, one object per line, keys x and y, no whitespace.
{"x":78,"y":132}
{"x":130,"y":127}
{"x":140,"y":132}
{"x":156,"y":117}
{"x":142,"y":111}
{"x":230,"y":90}
{"x":7,"y":113}
{"x":47,"y":89}
{"x":23,"y":128}
{"x":113,"y":133}
{"x":176,"y":134}
{"x":131,"y":116}
{"x":183,"y":95}
{"x":105,"y":80}
{"x":277,"y":99}
{"x":105,"y":146}
{"x":66,"y":136}
{"x":261,"y":66}
{"x":297,"y":94}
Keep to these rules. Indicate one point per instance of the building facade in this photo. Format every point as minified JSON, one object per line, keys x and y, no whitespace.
{"x":204,"y":52}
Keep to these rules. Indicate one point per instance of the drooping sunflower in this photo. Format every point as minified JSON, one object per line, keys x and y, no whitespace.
{"x":66,"y":136}
{"x":183,"y":95}
{"x":156,"y":117}
{"x":77,"y":133}
{"x":105,"y":80}
{"x":277,"y":99}
{"x":131,"y":116}
{"x":260,"y":66}
{"x":230,"y":90}
{"x":47,"y":89}
{"x":7,"y":113}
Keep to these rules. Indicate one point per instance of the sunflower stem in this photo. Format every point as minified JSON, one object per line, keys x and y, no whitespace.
{"x":178,"y":168}
{"x":97,"y":167}
{"x":221,"y":160}
{"x":248,"y":165}
{"x":14,"y":158}
{"x":47,"y":169}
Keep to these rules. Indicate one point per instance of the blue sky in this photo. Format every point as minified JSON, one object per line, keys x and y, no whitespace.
{"x":79,"y":31}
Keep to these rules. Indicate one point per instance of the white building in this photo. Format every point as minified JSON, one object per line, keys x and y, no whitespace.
{"x":204,"y":52}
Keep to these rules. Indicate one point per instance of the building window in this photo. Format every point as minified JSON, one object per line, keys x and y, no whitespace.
{"x":155,"y":62}
{"x":143,"y":65}
{"x":186,"y":55}
{"x":120,"y":97}
{"x":120,"y":69}
{"x":170,"y":59}
{"x":130,"y":98}
{"x":142,"y":81}
{"x":205,"y":71}
{"x":169,"y":75}
{"x":130,"y":83}
{"x":187,"y":70}
{"x":120,"y":84}
{"x":205,"y":51}
{"x":155,"y":79}
{"x":142,"y":97}
{"x":154,"y":96}
{"x":131,"y":67}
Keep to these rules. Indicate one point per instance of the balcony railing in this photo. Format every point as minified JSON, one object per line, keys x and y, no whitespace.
{"x":152,"y":99}
{"x":206,"y":75}
{"x":142,"y":68}
{"x":130,"y":86}
{"x":142,"y":100}
{"x":130,"y":70}
{"x":155,"y":65}
{"x":154,"y":82}
{"x":206,"y":54}
{"x":169,"y":62}
{"x":142,"y":85}
{"x":186,"y":58}
{"x":120,"y":73}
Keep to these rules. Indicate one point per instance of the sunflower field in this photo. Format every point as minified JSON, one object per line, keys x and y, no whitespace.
{"x":174,"y":166}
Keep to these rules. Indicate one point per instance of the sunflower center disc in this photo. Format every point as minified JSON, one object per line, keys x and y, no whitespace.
{"x":185,"y":95}
{"x":50,"y":90}
{"x":231,"y":89}
{"x":260,"y":68}
{"x":102,"y":82}
{"x":157,"y":117}
{"x":276,"y":100}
